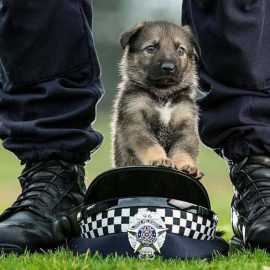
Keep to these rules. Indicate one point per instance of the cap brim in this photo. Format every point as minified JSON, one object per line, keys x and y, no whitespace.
{"x":175,"y":246}
{"x":147,"y":181}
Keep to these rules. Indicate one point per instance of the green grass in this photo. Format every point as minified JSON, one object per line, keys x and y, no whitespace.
{"x":65,"y":260}
{"x":216,"y":182}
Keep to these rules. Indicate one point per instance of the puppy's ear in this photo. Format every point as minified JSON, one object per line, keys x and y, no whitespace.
{"x":192,"y":40}
{"x":129,"y":34}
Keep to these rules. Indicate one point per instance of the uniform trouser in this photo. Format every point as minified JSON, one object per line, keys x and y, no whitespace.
{"x":49,"y":79}
{"x":234,"y":36}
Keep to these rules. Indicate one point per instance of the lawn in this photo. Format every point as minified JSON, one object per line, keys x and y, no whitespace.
{"x":216,"y":182}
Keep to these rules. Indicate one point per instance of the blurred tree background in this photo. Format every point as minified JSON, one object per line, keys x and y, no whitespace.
{"x":111,"y":18}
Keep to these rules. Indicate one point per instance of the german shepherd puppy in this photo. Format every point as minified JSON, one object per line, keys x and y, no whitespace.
{"x":155,"y":115}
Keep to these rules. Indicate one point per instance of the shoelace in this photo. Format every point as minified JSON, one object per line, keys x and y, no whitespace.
{"x":32,"y":192}
{"x":257,"y":190}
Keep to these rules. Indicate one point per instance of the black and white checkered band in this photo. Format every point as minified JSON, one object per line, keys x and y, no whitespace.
{"x":177,"y":222}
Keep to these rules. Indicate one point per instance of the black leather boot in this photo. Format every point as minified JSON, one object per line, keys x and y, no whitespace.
{"x":44,"y":215}
{"x":251,"y":202}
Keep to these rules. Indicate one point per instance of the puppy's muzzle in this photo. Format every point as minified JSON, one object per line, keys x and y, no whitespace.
{"x":167,"y":67}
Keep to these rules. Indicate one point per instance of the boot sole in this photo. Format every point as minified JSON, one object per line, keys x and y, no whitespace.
{"x":10,"y":249}
{"x":7,"y":249}
{"x":237,"y":243}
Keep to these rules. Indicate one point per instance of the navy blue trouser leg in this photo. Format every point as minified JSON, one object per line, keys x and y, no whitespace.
{"x":234,"y":37}
{"x":49,"y":79}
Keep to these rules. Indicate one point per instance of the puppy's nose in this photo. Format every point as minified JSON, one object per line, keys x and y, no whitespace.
{"x":168,"y":66}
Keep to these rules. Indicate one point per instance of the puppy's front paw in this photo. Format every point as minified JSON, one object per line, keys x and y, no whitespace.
{"x":193,"y":171}
{"x":163,"y":162}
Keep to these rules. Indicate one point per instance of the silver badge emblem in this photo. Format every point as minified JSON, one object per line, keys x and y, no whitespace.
{"x":146,"y":234}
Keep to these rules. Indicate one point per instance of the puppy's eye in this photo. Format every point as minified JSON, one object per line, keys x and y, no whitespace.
{"x":180,"y":50}
{"x":151,"y":49}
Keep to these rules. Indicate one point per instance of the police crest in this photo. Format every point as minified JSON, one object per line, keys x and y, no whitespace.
{"x":146,"y":234}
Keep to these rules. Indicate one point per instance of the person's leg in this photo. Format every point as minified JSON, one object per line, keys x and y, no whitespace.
{"x":50,"y":80}
{"x":49,"y":87}
{"x":234,"y":38}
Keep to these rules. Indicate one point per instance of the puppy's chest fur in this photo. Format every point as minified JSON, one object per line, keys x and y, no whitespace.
{"x":165,"y":112}
{"x":166,"y":121}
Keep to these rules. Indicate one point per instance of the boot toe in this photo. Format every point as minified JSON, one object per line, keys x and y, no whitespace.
{"x":11,"y":239}
{"x":17,"y":235}
{"x":258,"y":234}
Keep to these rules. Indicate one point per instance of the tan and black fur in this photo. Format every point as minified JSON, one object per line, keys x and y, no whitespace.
{"x":155,"y":115}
